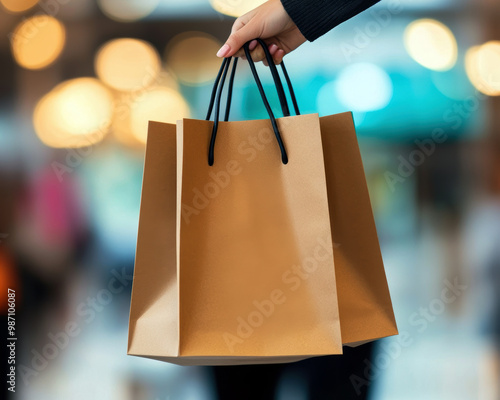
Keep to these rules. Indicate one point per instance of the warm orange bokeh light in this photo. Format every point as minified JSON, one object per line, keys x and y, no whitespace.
{"x":127,"y":64}
{"x":431,"y":43}
{"x":126,"y":11}
{"x":482,"y":64}
{"x":235,"y":8}
{"x":38,"y":41}
{"x":159,"y":104}
{"x":191,"y":57}
{"x":77,"y":113}
{"x":18,"y":5}
{"x":121,"y":127}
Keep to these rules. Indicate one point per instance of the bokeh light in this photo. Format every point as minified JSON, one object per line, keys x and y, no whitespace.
{"x":431,"y":44}
{"x":191,"y":57}
{"x":363,"y":87}
{"x":126,"y":11}
{"x":158,"y":104}
{"x":121,"y":126}
{"x":18,"y":5}
{"x":127,"y":64}
{"x":482,"y":64}
{"x":76,"y":113}
{"x":38,"y":41}
{"x":123,"y":134}
{"x":235,"y":8}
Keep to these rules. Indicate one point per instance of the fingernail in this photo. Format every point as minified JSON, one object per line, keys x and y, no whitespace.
{"x":252,"y":45}
{"x":223,"y":51}
{"x":273,"y":48}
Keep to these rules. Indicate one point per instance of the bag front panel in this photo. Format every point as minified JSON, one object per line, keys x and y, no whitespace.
{"x":256,"y":261}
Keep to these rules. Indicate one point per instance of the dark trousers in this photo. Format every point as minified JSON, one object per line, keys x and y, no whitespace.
{"x":328,"y":378}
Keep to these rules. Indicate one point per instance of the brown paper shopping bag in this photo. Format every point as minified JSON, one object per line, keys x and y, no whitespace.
{"x":236,"y":265}
{"x":234,"y":261}
{"x":365,"y":305}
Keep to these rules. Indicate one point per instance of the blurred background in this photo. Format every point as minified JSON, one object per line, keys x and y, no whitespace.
{"x":79,"y":79}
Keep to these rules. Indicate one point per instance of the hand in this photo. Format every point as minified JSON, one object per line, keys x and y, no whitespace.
{"x":269,"y":22}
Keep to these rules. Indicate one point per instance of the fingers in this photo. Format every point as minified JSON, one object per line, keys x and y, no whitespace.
{"x":258,"y":54}
{"x":239,"y":23}
{"x":241,"y":52}
{"x":269,"y":21}
{"x":276,"y":52}
{"x":242,"y":33}
{"x":272,"y":50}
{"x":253,"y":44}
{"x":278,"y":56}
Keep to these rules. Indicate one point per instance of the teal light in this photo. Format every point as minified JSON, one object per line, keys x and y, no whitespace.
{"x":363,"y":87}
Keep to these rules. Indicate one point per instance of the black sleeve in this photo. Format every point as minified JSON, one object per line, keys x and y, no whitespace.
{"x":316,"y":17}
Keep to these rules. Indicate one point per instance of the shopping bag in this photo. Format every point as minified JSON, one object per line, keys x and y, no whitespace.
{"x":365,"y":306}
{"x":234,"y":260}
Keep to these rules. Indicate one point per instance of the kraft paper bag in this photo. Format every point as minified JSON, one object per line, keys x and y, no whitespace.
{"x":365,"y":306}
{"x":235,"y":261}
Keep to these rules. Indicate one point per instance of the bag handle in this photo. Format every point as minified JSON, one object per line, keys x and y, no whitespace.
{"x":216,"y":85}
{"x":290,"y":88}
{"x":276,"y":78}
{"x":230,"y":89}
{"x":221,"y":76}
{"x":217,"y":91}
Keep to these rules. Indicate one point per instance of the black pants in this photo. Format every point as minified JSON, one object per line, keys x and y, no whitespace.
{"x":328,"y":377}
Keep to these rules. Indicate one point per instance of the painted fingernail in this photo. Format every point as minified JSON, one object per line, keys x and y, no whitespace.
{"x":223,"y":51}
{"x":273,"y":48}
{"x":252,"y":45}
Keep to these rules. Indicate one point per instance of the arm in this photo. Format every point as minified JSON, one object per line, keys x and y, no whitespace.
{"x":314,"y":18}
{"x":285,"y":25}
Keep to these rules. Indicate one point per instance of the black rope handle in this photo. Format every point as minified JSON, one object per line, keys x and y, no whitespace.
{"x":290,"y":88}
{"x":216,"y":85}
{"x":279,"y":87}
{"x":216,"y":113}
{"x":230,"y":89}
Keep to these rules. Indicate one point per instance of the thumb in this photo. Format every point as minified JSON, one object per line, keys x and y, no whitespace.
{"x":237,"y":39}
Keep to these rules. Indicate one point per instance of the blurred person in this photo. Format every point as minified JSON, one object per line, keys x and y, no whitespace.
{"x":481,"y":242}
{"x":327,"y":377}
{"x":51,"y":224}
{"x":285,"y":25}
